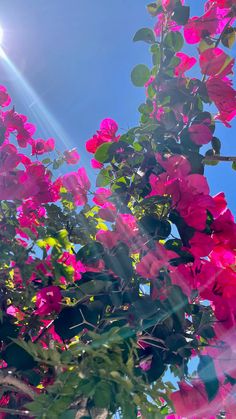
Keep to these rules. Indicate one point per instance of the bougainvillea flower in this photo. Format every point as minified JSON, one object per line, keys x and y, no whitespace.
{"x":9,"y":158}
{"x":40,"y":146}
{"x":200,"y":134}
{"x":214,"y":62}
{"x":223,"y":4}
{"x":211,"y":23}
{"x":192,"y":401}
{"x":169,"y":5}
{"x":175,"y":166}
{"x":108,"y":212}
{"x":71,"y":156}
{"x":5,"y":99}
{"x":150,"y":264}
{"x":14,"y":122}
{"x":126,"y":226}
{"x":106,"y":134}
{"x":201,"y":244}
{"x":186,"y":63}
{"x":96,"y":164}
{"x":109,"y":239}
{"x":224,"y":229}
{"x":48,"y":300}
{"x":224,"y":96}
{"x":78,"y":184}
{"x":101,"y":195}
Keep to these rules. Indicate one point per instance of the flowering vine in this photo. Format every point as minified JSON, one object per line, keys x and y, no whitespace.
{"x":105,"y":294}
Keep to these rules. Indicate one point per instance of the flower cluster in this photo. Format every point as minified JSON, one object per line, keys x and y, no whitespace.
{"x":109,"y":288}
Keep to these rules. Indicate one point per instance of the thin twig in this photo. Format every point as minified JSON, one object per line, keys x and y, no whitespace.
{"x":14,"y":382}
{"x":216,"y":157}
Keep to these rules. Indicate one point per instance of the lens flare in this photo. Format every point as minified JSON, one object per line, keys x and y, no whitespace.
{"x":1,"y":35}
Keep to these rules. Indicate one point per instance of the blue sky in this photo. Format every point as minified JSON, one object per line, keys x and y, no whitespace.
{"x":77,"y":56}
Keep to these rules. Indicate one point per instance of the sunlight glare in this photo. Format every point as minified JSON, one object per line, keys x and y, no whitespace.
{"x":1,"y":35}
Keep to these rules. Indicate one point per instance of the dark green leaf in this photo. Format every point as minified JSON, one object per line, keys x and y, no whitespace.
{"x":146,"y":35}
{"x":102,"y":153}
{"x":103,"y":178}
{"x":140,"y":75}
{"x":174,"y":41}
{"x":181,"y":14}
{"x":228,"y":37}
{"x":17,"y":357}
{"x":154,"y":8}
{"x":207,"y":373}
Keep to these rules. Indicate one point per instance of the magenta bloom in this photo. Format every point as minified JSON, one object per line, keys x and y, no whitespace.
{"x":106,"y":134}
{"x":72,"y":156}
{"x":5,"y":99}
{"x":41,"y":146}
{"x":96,"y":164}
{"x":200,"y":134}
{"x":48,"y":300}
{"x":101,"y":195}
{"x":224,"y":96}
{"x":211,"y":23}
{"x":153,"y":261}
{"x":78,"y":184}
{"x":214,"y":62}
{"x":186,"y":63}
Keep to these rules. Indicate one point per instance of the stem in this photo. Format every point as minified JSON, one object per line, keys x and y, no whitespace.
{"x":14,"y":382}
{"x":216,"y":157}
{"x":15,"y":412}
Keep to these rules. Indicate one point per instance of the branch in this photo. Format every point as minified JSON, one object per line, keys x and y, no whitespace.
{"x":216,"y":157}
{"x":14,"y":382}
{"x":15,"y":412}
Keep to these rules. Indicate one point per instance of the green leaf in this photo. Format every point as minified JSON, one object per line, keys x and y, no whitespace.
{"x":17,"y":357}
{"x":154,"y":8}
{"x":140,"y":75}
{"x":103,"y":178}
{"x":207,"y":373}
{"x":174,"y":41}
{"x":181,"y":14}
{"x":145,"y":35}
{"x":69,"y":414}
{"x":209,"y":162}
{"x":102,"y":153}
{"x":234,"y":165}
{"x":228,"y":37}
{"x":216,"y":145}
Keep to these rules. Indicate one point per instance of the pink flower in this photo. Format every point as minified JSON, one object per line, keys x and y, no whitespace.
{"x":9,"y":158}
{"x":176,"y":166}
{"x":150,"y":265}
{"x":106,"y":134}
{"x":40,"y":146}
{"x":169,"y":5}
{"x":14,"y":122}
{"x":211,"y":23}
{"x":108,"y":212}
{"x":192,"y":401}
{"x":48,"y":300}
{"x":200,"y":134}
{"x":109,"y":239}
{"x":96,"y":164}
{"x":72,"y":156}
{"x":186,"y":63}
{"x":78,"y":184}
{"x":101,"y":196}
{"x":5,"y":99}
{"x":214,"y":62}
{"x":224,"y":96}
{"x":201,"y":244}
